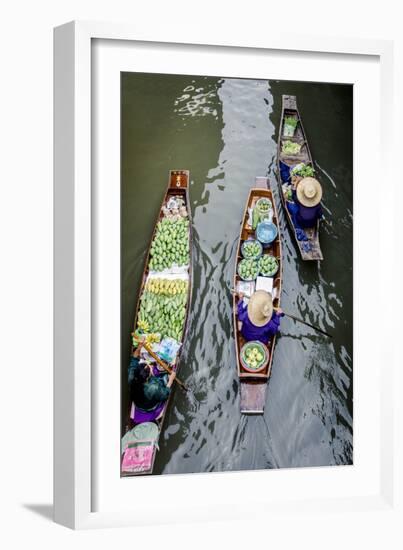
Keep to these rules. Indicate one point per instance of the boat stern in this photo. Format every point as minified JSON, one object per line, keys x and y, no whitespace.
{"x":253,"y":396}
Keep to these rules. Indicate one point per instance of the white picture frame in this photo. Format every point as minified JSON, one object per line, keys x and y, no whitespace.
{"x":77,"y":471}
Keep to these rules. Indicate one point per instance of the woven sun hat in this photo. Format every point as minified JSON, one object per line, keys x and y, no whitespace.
{"x":260,"y":308}
{"x":309,"y":191}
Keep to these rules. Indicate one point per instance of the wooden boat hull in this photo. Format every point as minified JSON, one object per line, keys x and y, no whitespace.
{"x":289,"y":107}
{"x":178,"y":184}
{"x":253,"y":386}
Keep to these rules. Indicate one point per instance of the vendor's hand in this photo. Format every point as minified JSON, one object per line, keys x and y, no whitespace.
{"x":279,"y":311}
{"x":137,"y":351}
{"x":141,"y":342}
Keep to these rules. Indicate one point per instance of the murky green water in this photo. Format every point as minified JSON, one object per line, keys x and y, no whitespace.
{"x":224,"y":131}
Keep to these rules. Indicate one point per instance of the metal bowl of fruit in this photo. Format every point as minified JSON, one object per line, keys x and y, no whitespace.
{"x":248,"y":270}
{"x":254,"y":356}
{"x":251,"y":249}
{"x":268,"y":265}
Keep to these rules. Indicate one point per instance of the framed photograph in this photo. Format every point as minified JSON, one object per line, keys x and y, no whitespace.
{"x":218,"y":241}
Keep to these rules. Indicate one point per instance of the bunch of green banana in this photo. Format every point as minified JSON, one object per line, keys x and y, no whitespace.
{"x":170,"y":245}
{"x":164,"y":313}
{"x":149,"y":337}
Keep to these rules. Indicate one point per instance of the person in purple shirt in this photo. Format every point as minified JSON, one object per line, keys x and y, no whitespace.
{"x":148,"y":391}
{"x":257,"y":319}
{"x":306,"y":209}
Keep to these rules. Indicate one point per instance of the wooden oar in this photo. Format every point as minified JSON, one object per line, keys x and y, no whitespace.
{"x":307,"y":324}
{"x":164,"y":366}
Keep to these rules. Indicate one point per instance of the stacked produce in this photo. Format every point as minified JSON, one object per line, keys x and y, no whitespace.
{"x":141,"y":332}
{"x":268,"y":265}
{"x":248,"y":269}
{"x":166,"y":286}
{"x":290,"y":123}
{"x":163,"y":307}
{"x":143,"y":329}
{"x":170,"y":245}
{"x":291,"y":148}
{"x":251,"y":249}
{"x":303,"y":170}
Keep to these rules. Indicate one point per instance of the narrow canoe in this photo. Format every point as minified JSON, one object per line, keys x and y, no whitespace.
{"x":178,"y":186}
{"x":253,"y":385}
{"x":312,"y":251}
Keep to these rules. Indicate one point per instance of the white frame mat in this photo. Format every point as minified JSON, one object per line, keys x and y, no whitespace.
{"x":88,"y":492}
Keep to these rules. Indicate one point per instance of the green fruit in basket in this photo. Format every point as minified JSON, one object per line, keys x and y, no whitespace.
{"x":251,"y":249}
{"x":248,"y":269}
{"x":268,"y":265}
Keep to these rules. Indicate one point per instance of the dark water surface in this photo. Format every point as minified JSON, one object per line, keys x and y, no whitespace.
{"x":224,"y":131}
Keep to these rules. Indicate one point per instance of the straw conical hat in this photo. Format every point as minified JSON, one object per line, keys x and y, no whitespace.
{"x":260,"y":308}
{"x":309,"y":192}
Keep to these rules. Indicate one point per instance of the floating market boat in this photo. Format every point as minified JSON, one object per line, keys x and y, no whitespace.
{"x":253,"y":382}
{"x":293,"y":149}
{"x":161,"y":314}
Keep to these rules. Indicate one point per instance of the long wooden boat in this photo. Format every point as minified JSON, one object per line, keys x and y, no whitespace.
{"x":253,"y":385}
{"x":310,"y":249}
{"x":178,"y":186}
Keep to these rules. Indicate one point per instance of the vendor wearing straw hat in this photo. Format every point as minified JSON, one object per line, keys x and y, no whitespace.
{"x":258,"y":319}
{"x":306,"y":210}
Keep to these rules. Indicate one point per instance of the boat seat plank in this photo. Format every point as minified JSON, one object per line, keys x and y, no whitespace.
{"x":253,"y":397}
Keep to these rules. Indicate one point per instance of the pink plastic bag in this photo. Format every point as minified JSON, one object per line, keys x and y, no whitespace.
{"x":138,"y":456}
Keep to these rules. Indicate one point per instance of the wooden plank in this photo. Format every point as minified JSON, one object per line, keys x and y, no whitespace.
{"x":253,"y":397}
{"x":261,"y":182}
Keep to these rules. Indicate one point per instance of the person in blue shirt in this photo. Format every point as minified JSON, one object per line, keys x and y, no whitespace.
{"x":258,"y":320}
{"x":306,"y":209}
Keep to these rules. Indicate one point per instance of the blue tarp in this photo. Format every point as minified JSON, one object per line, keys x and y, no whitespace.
{"x":284,"y":172}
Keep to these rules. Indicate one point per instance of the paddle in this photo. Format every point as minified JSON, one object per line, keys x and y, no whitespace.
{"x":297,"y":319}
{"x":307,"y":324}
{"x":164,"y":366}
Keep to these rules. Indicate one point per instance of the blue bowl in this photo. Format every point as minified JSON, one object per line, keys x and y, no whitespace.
{"x":266,"y":232}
